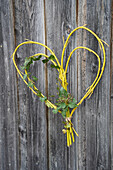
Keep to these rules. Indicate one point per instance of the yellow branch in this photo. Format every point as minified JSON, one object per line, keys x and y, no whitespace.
{"x":37,"y":43}
{"x":81,"y":27}
{"x":99,"y":40}
{"x":91,"y":87}
{"x":44,"y":56}
{"x":20,"y":73}
{"x":98,"y":77}
{"x":90,"y":51}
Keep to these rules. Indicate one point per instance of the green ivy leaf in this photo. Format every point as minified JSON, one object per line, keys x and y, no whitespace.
{"x":22,"y":67}
{"x":72,"y":104}
{"x":45,"y":60}
{"x":35,"y":59}
{"x":59,"y":108}
{"x":58,"y":88}
{"x":51,"y":57}
{"x":64,"y":112}
{"x":28,"y":61}
{"x":74,"y":101}
{"x":30,"y":84}
{"x":27,"y":67}
{"x":42,"y":99}
{"x":62,"y":105}
{"x":39,"y":94}
{"x":55,"y":111}
{"x":53,"y":66}
{"x":25,"y":76}
{"x":34,"y":78}
{"x":63,"y":92}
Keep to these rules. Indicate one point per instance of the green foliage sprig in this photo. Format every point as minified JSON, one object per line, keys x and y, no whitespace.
{"x":65,"y":102}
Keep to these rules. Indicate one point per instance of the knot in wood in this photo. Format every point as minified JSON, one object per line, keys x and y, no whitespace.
{"x":94,"y":67}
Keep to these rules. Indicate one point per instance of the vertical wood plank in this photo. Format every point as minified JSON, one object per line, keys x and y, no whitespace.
{"x":57,"y":145}
{"x":60,"y":20}
{"x":81,"y":86}
{"x":111,"y":84}
{"x":25,"y":131}
{"x":8,"y":105}
{"x":94,"y":114}
{"x":29,"y":23}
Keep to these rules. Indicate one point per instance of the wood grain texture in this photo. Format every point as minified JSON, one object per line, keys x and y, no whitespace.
{"x":94,"y":114}
{"x":29,"y":23}
{"x":111,"y":84}
{"x":81,"y":71}
{"x":31,"y":135}
{"x":60,"y":21}
{"x":57,"y":150}
{"x":8,"y":104}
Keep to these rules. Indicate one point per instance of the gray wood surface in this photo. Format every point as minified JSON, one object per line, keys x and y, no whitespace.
{"x":57,"y":150}
{"x":94,"y":114}
{"x":111,"y":86}
{"x":8,"y":91}
{"x":31,"y":135}
{"x":59,"y":23}
{"x":29,"y":23}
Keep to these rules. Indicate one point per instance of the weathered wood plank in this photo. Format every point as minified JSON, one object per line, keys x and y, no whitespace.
{"x":60,"y":20}
{"x":57,"y":145}
{"x":111,"y":84}
{"x":94,"y":114}
{"x":81,"y":86}
{"x":8,"y":105}
{"x":29,"y":23}
{"x":30,"y":139}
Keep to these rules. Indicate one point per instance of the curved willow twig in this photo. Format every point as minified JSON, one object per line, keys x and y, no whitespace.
{"x":62,"y":75}
{"x":98,"y":77}
{"x":99,"y":64}
{"x":19,"y":72}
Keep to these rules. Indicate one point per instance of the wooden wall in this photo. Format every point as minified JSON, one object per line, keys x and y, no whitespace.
{"x":31,"y":135}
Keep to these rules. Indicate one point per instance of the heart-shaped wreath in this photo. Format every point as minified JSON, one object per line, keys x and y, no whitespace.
{"x":66,"y":104}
